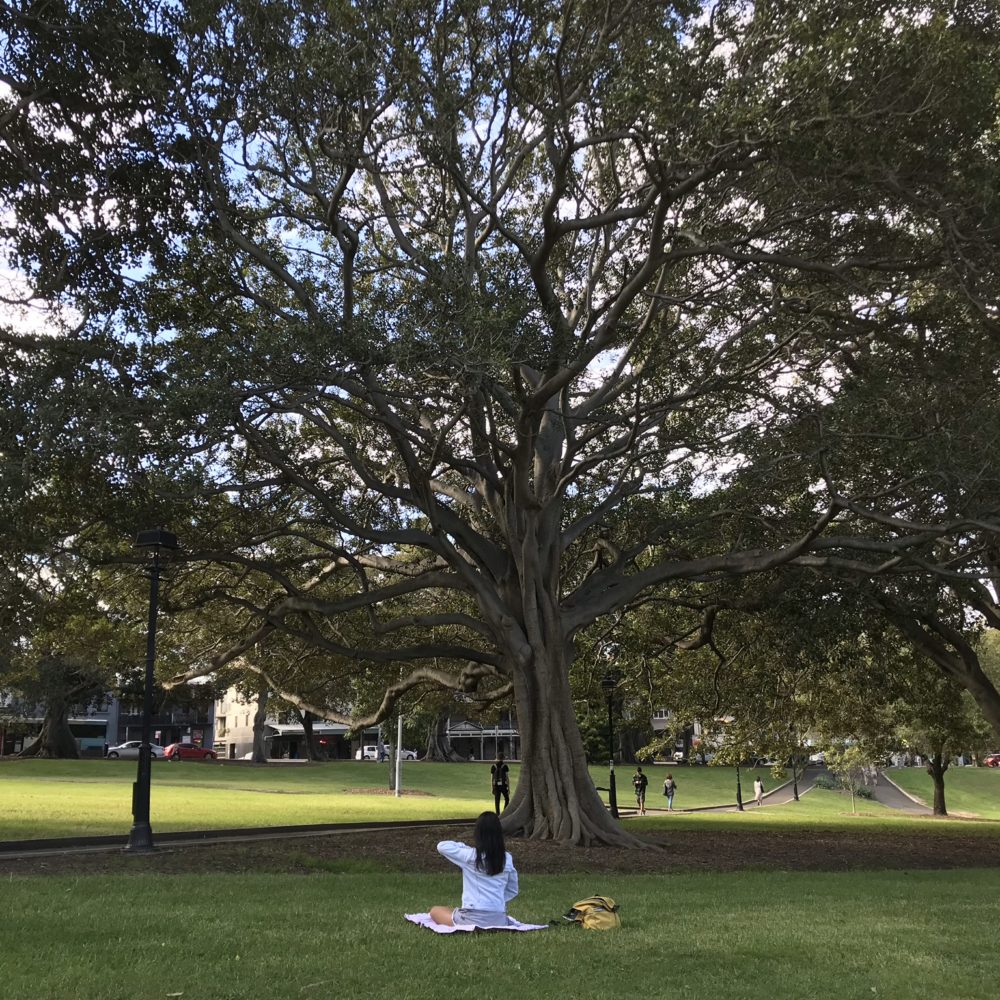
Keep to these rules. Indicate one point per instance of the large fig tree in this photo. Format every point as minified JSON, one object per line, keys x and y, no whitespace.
{"x":470,"y":307}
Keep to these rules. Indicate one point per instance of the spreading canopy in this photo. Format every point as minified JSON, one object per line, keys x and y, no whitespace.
{"x":476,"y":311}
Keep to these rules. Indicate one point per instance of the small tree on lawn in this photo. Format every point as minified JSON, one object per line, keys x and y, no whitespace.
{"x":852,"y":766}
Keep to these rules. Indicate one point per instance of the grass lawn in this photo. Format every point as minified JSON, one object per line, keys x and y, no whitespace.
{"x":971,"y":790}
{"x":750,"y":935}
{"x":819,"y":809}
{"x":40,"y":798}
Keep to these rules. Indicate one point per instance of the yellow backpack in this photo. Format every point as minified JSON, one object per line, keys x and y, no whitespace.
{"x":595,"y":913}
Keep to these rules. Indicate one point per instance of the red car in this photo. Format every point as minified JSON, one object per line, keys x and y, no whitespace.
{"x":188,"y":751}
{"x":992,"y":760}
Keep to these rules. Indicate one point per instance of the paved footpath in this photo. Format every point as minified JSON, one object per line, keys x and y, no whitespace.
{"x":886,"y":794}
{"x":889,"y":795}
{"x":782,"y":794}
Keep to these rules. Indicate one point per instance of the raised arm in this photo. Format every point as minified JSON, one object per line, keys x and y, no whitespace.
{"x":456,"y":852}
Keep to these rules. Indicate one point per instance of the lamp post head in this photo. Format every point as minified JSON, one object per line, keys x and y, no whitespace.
{"x":608,"y":684}
{"x":156,"y":538}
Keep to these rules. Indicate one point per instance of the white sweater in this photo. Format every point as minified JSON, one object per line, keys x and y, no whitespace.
{"x":479,"y":890}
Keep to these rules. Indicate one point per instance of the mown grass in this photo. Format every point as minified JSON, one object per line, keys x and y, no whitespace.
{"x":75,"y":798}
{"x":969,"y":790}
{"x":820,"y":810}
{"x":752,"y":936}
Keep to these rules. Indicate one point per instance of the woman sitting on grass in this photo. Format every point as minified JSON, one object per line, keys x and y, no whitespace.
{"x":489,"y":879}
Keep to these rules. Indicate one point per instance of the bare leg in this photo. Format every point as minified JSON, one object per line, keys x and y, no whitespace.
{"x":442,"y":915}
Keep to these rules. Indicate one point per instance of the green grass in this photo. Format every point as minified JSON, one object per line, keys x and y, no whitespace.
{"x":752,"y":936}
{"x":819,"y":810}
{"x":40,"y":798}
{"x":66,"y":798}
{"x":696,"y":786}
{"x":74,"y":798}
{"x":970,"y":790}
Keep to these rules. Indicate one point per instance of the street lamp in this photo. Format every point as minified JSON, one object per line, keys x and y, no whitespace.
{"x":140,"y":838}
{"x":739,"y":791}
{"x":608,"y":685}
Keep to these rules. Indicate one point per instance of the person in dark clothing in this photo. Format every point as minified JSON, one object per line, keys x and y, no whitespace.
{"x":639,"y":783}
{"x":500,"y":775}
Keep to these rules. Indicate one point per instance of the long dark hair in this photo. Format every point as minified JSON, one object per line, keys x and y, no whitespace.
{"x":490,"y":850}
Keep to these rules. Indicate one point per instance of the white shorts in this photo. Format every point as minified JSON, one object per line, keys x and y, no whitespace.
{"x":468,"y":917}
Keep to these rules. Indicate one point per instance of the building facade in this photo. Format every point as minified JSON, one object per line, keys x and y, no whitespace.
{"x":112,"y":722}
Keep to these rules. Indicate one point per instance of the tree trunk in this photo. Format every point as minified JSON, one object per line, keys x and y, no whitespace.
{"x":307,"y":732}
{"x":629,"y":742}
{"x":437,"y":741}
{"x":937,"y":764}
{"x":56,"y":738}
{"x":259,"y":718}
{"x":555,"y":798}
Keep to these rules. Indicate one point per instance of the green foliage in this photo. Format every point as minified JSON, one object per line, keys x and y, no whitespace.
{"x":854,"y":766}
{"x":461,"y":331}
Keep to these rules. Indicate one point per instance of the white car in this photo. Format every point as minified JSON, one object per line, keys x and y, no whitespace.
{"x":371,"y":753}
{"x":130,"y":750}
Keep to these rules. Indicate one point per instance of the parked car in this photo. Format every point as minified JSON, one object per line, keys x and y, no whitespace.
{"x":130,"y":750}
{"x":992,"y":760}
{"x":817,"y":758}
{"x":188,"y":751}
{"x":371,"y":753}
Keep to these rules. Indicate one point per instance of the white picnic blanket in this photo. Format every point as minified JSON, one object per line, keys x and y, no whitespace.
{"x":424,"y":920}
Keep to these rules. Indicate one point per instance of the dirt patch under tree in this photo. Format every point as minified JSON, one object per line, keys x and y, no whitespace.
{"x":676,"y":851}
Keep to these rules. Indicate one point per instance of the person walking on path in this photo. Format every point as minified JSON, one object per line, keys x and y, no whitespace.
{"x":669,"y":787}
{"x":758,"y":790}
{"x":639,"y":783}
{"x":500,"y":774}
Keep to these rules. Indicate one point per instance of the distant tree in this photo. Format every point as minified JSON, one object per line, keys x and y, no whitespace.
{"x":853,"y":766}
{"x":939,"y":720}
{"x":72,"y":654}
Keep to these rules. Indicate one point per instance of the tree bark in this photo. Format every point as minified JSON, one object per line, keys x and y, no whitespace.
{"x":629,"y":742}
{"x":555,"y":798}
{"x":937,"y":764}
{"x":56,"y":739}
{"x":259,"y":719}
{"x":307,"y":733}
{"x":437,"y":741}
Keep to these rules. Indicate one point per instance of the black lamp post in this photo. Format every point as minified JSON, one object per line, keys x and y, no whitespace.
{"x":739,"y":790}
{"x":140,"y":838}
{"x":608,"y":685}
